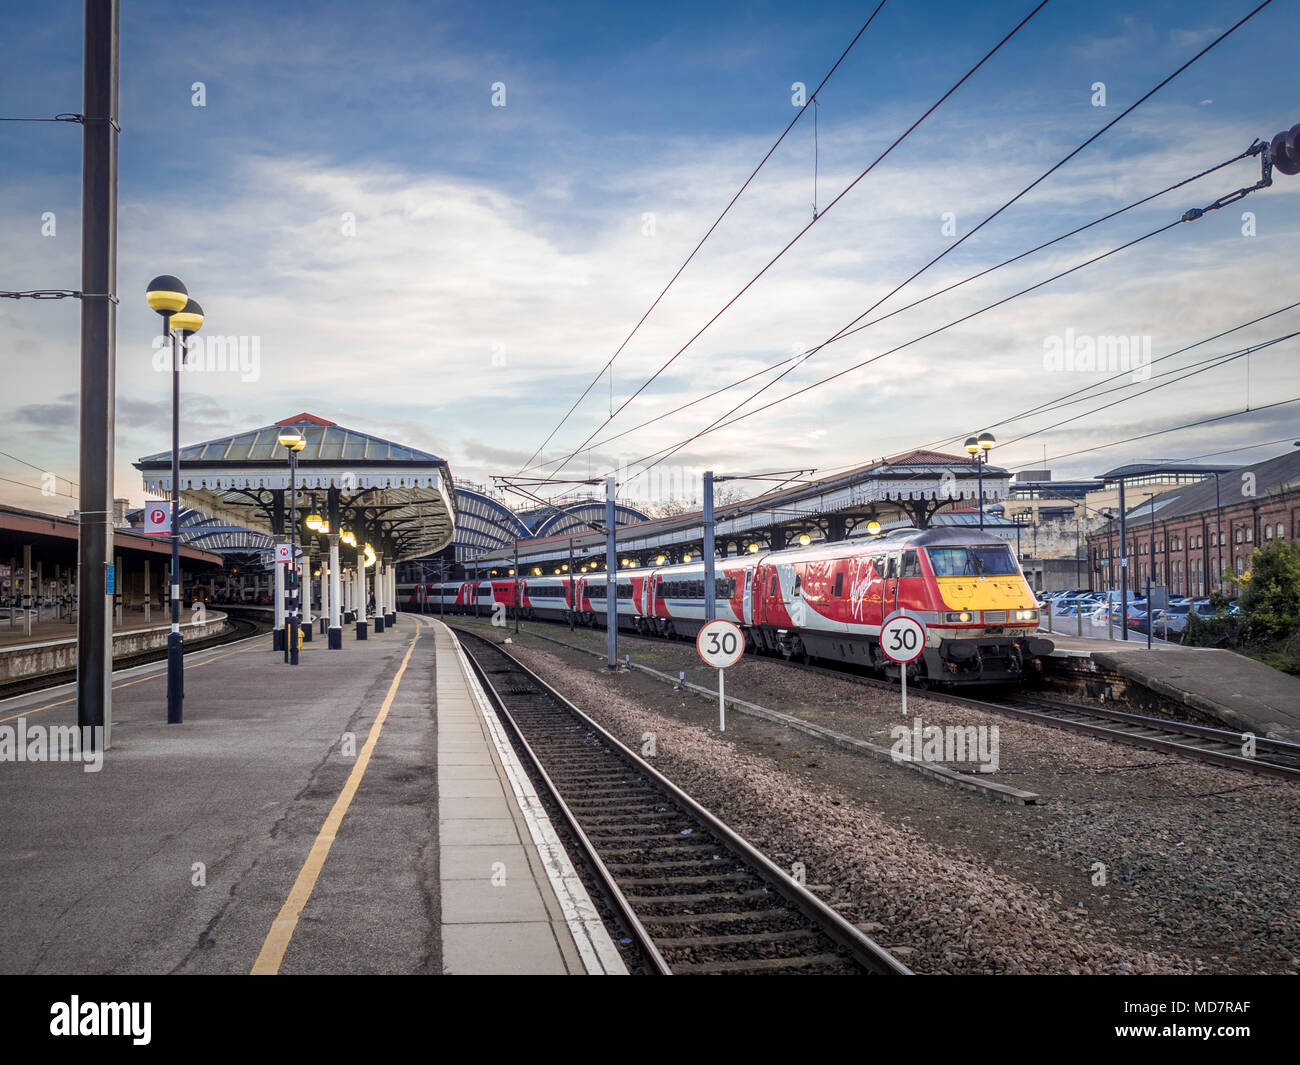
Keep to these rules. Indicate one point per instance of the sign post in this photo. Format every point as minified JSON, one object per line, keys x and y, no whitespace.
{"x":721,"y":644}
{"x":903,"y":641}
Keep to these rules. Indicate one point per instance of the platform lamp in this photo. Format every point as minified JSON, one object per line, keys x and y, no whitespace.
{"x":168,"y":296}
{"x":978,"y":447}
{"x":293,"y":442}
{"x":318,"y":525}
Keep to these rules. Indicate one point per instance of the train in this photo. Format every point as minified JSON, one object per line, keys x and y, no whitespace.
{"x":826,"y":601}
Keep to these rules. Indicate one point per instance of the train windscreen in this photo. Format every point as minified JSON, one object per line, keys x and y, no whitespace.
{"x":994,"y":560}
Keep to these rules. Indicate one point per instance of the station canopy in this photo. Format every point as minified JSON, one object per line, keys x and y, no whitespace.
{"x":399,"y":494}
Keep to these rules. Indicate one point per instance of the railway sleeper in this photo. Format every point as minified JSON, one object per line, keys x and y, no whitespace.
{"x":790,"y":935}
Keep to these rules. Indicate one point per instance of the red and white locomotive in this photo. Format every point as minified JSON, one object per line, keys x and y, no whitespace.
{"x":824,"y":601}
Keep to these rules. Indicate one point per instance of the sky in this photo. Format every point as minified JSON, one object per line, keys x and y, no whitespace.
{"x":437,"y":223}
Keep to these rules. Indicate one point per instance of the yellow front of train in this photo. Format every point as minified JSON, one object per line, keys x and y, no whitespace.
{"x":987,"y":612}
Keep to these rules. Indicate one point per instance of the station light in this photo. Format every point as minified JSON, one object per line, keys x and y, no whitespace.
{"x":511,"y":573}
{"x":660,"y":560}
{"x":167,"y":294}
{"x":291,"y":439}
{"x":986,"y":441}
{"x":972,"y":445}
{"x":348,"y":537}
{"x":565,"y":567}
{"x":189,"y":319}
{"x":537,"y":571}
{"x":753,"y":549}
{"x":804,"y":539}
{"x":873,"y":527}
{"x":314,"y":522}
{"x":557,"y":571}
{"x":494,"y":572}
{"x":370,"y":556}
{"x":686,"y":558}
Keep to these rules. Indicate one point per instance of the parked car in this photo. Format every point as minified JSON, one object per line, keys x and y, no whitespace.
{"x":1172,"y":621}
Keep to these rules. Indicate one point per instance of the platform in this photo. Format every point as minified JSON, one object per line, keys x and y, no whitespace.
{"x":1235,"y":690}
{"x":52,"y":646}
{"x":350,"y":814}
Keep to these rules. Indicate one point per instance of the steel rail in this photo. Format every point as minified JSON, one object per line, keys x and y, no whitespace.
{"x":865,"y":951}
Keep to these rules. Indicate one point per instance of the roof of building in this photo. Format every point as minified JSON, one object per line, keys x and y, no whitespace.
{"x":1269,"y":477}
{"x":401,"y":495}
{"x":1145,"y":469}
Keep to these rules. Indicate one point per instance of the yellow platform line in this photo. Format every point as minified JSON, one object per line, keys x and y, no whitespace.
{"x":282,"y":928}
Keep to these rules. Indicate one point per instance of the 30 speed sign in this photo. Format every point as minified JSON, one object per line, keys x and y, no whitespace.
{"x":902,"y":638}
{"x":721,"y":644}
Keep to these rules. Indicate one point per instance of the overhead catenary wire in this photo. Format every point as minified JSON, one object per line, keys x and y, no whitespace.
{"x":708,"y":233}
{"x":1187,"y":216}
{"x":830,"y":206}
{"x":791,"y":362}
{"x":1160,"y":432}
{"x":1183,"y":373}
{"x":853,"y":327}
{"x":1068,"y":398}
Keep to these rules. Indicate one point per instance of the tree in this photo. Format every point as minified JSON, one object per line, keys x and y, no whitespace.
{"x":1270,"y":596}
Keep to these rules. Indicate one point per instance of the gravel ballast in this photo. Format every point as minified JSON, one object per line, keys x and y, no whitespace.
{"x":1131,"y":863}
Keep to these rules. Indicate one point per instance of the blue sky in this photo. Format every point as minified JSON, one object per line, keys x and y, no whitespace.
{"x":499,"y":255}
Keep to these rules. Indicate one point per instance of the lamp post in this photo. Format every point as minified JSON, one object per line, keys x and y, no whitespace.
{"x":293,"y":442}
{"x":168,"y":296}
{"x":978,"y":447}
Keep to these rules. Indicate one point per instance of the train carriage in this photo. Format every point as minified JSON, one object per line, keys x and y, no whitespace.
{"x":827,"y":601}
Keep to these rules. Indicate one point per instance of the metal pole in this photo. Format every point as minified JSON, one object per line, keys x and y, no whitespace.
{"x":571,"y":596}
{"x":175,"y":641}
{"x":611,"y":579}
{"x":979,"y":465}
{"x":1218,"y":535}
{"x":710,"y":577}
{"x":1151,"y":569}
{"x":98,"y":365}
{"x":514,"y":598}
{"x":27,"y":590}
{"x":291,"y":628}
{"x":1123,"y":566}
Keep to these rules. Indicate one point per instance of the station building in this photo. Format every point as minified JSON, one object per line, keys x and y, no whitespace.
{"x":1188,"y":536}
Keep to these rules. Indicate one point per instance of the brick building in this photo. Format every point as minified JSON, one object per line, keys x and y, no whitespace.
{"x":1199,"y":534}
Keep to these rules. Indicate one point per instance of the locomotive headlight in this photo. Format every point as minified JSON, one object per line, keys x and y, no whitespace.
{"x":1026,"y":615}
{"x":962,"y":615}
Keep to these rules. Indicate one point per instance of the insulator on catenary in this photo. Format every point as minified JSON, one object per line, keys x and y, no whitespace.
{"x":1285,"y":150}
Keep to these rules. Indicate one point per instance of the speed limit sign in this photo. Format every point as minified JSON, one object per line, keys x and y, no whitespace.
{"x":721,"y":644}
{"x":156,"y":521}
{"x":902,"y":639}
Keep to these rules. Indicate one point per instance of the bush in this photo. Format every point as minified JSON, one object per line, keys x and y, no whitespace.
{"x":1220,"y":630}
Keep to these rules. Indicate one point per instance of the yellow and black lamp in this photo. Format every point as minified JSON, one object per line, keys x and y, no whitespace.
{"x":168,"y":296}
{"x":978,"y":447}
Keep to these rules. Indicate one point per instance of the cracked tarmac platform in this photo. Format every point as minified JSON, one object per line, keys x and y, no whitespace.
{"x":178,"y":855}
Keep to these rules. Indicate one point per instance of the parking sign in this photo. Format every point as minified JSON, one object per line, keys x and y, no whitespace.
{"x":157,"y":520}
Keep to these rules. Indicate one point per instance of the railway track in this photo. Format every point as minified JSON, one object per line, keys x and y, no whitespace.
{"x":696,"y":896}
{"x":1201,"y":743}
